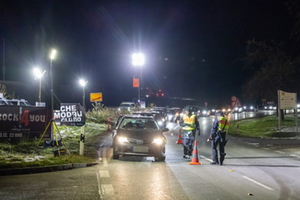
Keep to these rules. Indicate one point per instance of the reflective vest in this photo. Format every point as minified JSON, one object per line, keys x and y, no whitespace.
{"x":191,"y":121}
{"x":223,"y":124}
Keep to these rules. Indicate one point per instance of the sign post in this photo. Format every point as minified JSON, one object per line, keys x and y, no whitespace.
{"x":287,"y":100}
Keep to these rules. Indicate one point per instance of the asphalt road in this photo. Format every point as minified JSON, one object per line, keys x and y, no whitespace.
{"x":248,"y":172}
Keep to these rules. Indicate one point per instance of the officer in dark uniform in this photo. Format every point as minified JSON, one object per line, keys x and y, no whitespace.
{"x":218,"y":137}
{"x":190,"y":125}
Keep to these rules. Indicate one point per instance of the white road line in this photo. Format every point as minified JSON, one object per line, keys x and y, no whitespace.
{"x":104,"y":157}
{"x":209,"y":160}
{"x":258,"y":183}
{"x":104,"y":173}
{"x":99,"y":185}
{"x":107,"y":188}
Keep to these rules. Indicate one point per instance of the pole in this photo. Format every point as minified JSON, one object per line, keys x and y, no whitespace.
{"x":40,"y":91}
{"x":51,"y":91}
{"x":278,"y":110}
{"x":3,"y":59}
{"x":83,"y":98}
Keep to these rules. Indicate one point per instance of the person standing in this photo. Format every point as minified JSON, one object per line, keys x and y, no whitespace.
{"x":218,"y":137}
{"x":189,"y":124}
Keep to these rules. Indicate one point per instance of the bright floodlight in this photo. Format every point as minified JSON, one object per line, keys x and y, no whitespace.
{"x":53,"y":54}
{"x":37,"y":72}
{"x":82,"y":82}
{"x":138,"y":59}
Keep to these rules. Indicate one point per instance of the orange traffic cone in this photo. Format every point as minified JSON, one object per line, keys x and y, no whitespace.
{"x":179,"y":139}
{"x":195,"y":159}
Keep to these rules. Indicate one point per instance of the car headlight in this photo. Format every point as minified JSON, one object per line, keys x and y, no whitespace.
{"x":251,"y":107}
{"x":223,"y":110}
{"x":158,"y":141}
{"x":118,"y":109}
{"x":213,"y":110}
{"x":204,"y":112}
{"x":122,"y":139}
{"x":160,"y":123}
{"x":270,"y":107}
{"x":163,"y":119}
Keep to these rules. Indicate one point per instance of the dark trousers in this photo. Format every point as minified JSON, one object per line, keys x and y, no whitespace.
{"x":219,"y":139}
{"x":188,"y":138}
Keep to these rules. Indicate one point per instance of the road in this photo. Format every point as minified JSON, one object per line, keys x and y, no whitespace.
{"x":248,"y":172}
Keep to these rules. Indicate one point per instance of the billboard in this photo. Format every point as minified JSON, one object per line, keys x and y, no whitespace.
{"x":70,"y":114}
{"x":21,"y":122}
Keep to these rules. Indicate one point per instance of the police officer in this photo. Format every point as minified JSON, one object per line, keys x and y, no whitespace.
{"x":218,"y":137}
{"x":189,"y":124}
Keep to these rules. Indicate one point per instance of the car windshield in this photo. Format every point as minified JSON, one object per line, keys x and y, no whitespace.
{"x":138,"y":124}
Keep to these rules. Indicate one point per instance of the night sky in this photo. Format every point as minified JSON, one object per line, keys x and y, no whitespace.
{"x":193,"y":49}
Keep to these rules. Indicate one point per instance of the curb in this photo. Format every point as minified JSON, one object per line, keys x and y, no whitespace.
{"x":31,"y":170}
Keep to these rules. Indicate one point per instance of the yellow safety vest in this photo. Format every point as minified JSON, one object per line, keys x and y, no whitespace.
{"x":223,"y":124}
{"x":191,"y":121}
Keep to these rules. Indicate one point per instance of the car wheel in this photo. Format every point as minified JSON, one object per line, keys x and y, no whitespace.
{"x":161,"y":156}
{"x":116,"y":156}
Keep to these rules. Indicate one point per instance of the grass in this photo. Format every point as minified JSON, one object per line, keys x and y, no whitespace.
{"x":260,"y":128}
{"x":16,"y":155}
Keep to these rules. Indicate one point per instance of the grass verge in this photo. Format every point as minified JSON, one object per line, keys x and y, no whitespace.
{"x":26,"y":153}
{"x":263,"y":127}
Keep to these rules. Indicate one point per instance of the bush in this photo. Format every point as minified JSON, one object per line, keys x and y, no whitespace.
{"x":100,"y":113}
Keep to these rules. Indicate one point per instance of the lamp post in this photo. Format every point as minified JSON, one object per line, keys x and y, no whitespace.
{"x":52,"y":57}
{"x":38,"y":74}
{"x":3,"y":72}
{"x":83,"y":83}
{"x":138,"y":60}
{"x":82,"y":137}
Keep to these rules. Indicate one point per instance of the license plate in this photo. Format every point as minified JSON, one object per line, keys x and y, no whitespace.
{"x":140,"y":149}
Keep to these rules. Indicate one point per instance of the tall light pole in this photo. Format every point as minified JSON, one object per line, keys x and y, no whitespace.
{"x":3,"y":59}
{"x":52,"y":57}
{"x":138,"y":60}
{"x":38,"y":74}
{"x":83,"y":83}
{"x":81,"y":143}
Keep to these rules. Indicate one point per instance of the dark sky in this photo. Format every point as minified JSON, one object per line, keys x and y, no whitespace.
{"x":192,"y":48}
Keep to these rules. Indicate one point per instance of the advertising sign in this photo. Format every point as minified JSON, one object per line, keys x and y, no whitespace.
{"x":70,"y":114}
{"x":95,"y":97}
{"x":18,"y":122}
{"x":288,"y":100}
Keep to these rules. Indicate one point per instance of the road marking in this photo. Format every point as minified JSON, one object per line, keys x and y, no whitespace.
{"x":279,"y":151}
{"x":209,"y":160}
{"x":107,"y":188}
{"x":99,"y":185}
{"x":258,"y":183}
{"x":104,"y":157}
{"x":104,"y":173}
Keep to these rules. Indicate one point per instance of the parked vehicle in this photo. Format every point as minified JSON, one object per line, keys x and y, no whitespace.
{"x":140,"y":136}
{"x":157,"y":116}
{"x":126,"y":106}
{"x":203,"y":112}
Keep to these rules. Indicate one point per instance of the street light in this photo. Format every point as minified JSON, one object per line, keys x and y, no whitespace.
{"x":83,"y":83}
{"x":52,"y":57}
{"x":38,"y":74}
{"x":81,"y":143}
{"x":138,"y":60}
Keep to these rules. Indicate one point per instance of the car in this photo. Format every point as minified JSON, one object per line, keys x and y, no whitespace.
{"x":203,"y":112}
{"x":16,"y":102}
{"x":162,"y":111}
{"x":3,"y":102}
{"x":194,"y":109}
{"x":174,"y":114}
{"x":126,"y":106}
{"x":157,"y":116}
{"x":249,"y":108}
{"x":139,"y":135}
{"x":237,"y":110}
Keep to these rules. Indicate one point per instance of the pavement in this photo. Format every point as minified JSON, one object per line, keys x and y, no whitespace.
{"x":288,"y":146}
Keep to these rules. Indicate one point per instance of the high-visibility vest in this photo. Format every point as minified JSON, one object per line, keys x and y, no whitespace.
{"x":191,"y":121}
{"x":223,"y":124}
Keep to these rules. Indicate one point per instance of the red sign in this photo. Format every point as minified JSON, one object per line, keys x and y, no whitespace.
{"x":136,"y":82}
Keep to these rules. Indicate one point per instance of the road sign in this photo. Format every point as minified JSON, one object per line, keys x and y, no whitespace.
{"x":287,"y":100}
{"x":136,"y":82}
{"x":95,"y":97}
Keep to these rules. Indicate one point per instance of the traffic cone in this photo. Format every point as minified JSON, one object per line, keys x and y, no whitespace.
{"x":179,"y":138}
{"x":195,"y":159}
